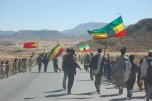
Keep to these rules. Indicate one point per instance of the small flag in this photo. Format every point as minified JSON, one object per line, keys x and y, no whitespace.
{"x":56,"y":52}
{"x":30,"y":45}
{"x":44,"y":51}
{"x":84,"y":48}
{"x":113,"y":29}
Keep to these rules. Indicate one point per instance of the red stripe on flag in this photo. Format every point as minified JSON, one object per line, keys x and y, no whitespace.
{"x":121,"y":33}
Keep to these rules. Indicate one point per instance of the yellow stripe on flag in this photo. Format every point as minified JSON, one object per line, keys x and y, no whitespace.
{"x":99,"y":35}
{"x":119,"y":28}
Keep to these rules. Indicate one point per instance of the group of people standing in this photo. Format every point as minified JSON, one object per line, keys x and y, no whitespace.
{"x":16,"y":66}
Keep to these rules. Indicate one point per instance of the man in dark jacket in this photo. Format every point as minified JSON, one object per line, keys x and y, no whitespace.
{"x":63,"y":67}
{"x":45,"y":61}
{"x":70,"y":69}
{"x":97,"y":62}
{"x":39,"y":62}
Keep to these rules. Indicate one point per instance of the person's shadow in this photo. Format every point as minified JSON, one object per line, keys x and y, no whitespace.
{"x":56,"y":95}
{"x":59,"y":90}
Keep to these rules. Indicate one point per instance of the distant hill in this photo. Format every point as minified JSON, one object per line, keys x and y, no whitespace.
{"x":141,"y":30}
{"x":6,"y":32}
{"x":32,"y":35}
{"x":81,"y":29}
{"x":41,"y":34}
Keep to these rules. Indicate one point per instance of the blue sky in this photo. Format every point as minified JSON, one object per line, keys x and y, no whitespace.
{"x":66,"y":14}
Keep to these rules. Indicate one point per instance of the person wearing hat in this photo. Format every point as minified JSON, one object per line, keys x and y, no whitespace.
{"x":96,"y":64}
{"x":120,"y":69}
{"x":146,"y":74}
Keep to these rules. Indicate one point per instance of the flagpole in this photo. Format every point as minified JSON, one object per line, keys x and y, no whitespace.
{"x":105,"y":47}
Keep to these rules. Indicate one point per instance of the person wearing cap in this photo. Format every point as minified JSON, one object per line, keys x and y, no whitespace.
{"x":146,"y":74}
{"x":96,"y":64}
{"x":120,"y":69}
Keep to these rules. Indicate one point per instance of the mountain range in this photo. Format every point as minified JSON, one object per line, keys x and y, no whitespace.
{"x":140,"y":30}
{"x":79,"y":32}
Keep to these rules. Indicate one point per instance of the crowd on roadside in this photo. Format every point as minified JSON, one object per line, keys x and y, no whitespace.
{"x":15,"y":66}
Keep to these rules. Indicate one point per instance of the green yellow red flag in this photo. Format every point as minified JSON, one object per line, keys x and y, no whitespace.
{"x":113,"y":29}
{"x":56,"y":52}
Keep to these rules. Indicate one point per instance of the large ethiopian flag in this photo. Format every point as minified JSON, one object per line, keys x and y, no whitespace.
{"x":56,"y":51}
{"x":113,"y":29}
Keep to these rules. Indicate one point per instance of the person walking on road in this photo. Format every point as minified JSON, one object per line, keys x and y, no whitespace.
{"x":30,"y":62}
{"x":45,"y":62}
{"x":131,"y":69}
{"x":97,"y":64}
{"x":70,"y":69}
{"x":120,"y":69}
{"x":39,"y":62}
{"x":64,"y":66}
{"x":91,"y":69}
{"x":7,"y":67}
{"x":86,"y":62}
{"x":1,"y":70}
{"x":55,"y":65}
{"x":146,"y":74}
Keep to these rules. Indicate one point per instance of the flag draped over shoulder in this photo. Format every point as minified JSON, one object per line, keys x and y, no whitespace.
{"x":56,"y":51}
{"x":84,"y":48}
{"x":30,"y":45}
{"x":113,"y":29}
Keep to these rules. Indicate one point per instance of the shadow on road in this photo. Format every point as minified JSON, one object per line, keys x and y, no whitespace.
{"x":56,"y":95}
{"x":84,"y":80}
{"x":110,"y":95}
{"x":138,"y":97}
{"x":89,"y":93}
{"x":80,"y":98}
{"x":59,"y":90}
{"x":123,"y":99}
{"x":30,"y":98}
{"x":118,"y":99}
{"x":42,"y":72}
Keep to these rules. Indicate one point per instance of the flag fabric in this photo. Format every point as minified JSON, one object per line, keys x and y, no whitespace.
{"x":56,"y":52}
{"x":84,"y":48}
{"x":44,"y":51}
{"x":113,"y":29}
{"x":30,"y":45}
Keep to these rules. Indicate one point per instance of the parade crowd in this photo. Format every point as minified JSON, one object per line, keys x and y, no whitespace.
{"x":121,"y":71}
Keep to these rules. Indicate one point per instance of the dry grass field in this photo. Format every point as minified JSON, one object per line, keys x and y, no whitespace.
{"x":14,"y":49}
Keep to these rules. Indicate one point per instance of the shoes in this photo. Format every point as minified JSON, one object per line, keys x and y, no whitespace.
{"x":69,"y":92}
{"x":120,"y":91}
{"x":98,"y":91}
{"x":129,"y":94}
{"x":64,"y":87}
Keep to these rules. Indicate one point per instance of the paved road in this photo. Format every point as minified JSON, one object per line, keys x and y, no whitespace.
{"x":34,"y":86}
